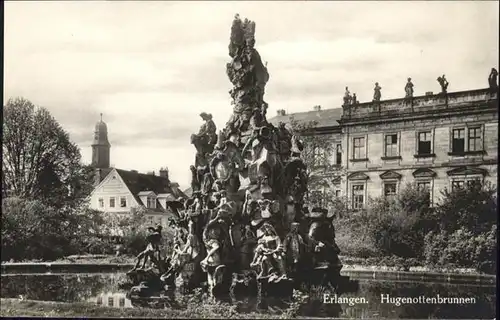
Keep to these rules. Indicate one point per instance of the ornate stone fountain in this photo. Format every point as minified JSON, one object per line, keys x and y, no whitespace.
{"x":245,"y":230}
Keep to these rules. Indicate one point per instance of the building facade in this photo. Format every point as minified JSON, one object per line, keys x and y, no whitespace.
{"x":435,"y":141}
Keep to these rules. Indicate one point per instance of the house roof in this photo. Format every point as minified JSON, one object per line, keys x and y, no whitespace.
{"x":145,"y":193}
{"x":141,"y":183}
{"x":324,"y":118}
{"x":188,"y":192}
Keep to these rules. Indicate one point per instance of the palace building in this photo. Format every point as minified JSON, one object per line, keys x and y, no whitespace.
{"x":120,"y":192}
{"x":437,"y":141}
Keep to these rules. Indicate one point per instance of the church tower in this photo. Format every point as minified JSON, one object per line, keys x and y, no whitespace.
{"x":100,"y":146}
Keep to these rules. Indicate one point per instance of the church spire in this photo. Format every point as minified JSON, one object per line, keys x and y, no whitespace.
{"x":100,"y":146}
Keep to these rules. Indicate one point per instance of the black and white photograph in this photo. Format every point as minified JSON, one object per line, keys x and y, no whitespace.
{"x":250,"y":159}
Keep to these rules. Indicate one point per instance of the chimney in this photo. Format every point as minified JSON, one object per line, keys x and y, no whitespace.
{"x":151,"y":173}
{"x":164,"y":172}
{"x":429,"y":93}
{"x":281,"y":112}
{"x":317,"y":108}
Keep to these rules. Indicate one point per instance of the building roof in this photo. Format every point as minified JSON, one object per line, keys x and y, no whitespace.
{"x":324,"y":118}
{"x":145,"y":193}
{"x":141,"y":183}
{"x":188,"y":192}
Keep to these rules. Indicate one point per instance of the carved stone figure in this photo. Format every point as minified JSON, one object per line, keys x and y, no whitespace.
{"x":265,"y":164}
{"x":208,"y":129}
{"x":205,"y":140}
{"x":188,"y":257}
{"x":153,"y":246}
{"x":248,"y":243}
{"x":492,"y":79}
{"x":248,"y":75}
{"x":213,"y":264}
{"x":176,"y":206}
{"x":264,"y":210}
{"x":354,"y":99}
{"x":294,"y":247}
{"x":269,"y":255}
{"x":409,"y":89}
{"x":227,"y":163}
{"x":443,"y":83}
{"x":285,"y":141}
{"x":195,"y":183}
{"x":249,"y":209}
{"x":376,"y":94}
{"x":296,"y":179}
{"x":297,"y":146}
{"x":347,"y":97}
{"x":194,"y":205}
{"x":322,"y":239}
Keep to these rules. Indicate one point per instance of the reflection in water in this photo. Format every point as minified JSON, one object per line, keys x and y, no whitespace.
{"x":110,"y":290}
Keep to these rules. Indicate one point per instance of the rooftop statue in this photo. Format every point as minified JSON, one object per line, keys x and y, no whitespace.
{"x":443,"y":83}
{"x":376,"y":94}
{"x":347,"y":97}
{"x":354,"y":100}
{"x":492,"y":79}
{"x":409,"y":89}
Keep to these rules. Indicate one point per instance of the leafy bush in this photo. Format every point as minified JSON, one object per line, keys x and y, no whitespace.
{"x":459,"y":232}
{"x":465,"y":231}
{"x":33,"y":230}
{"x":398,"y":226}
{"x":351,"y":235}
{"x":134,"y":241}
{"x":462,"y":249}
{"x":473,"y":208}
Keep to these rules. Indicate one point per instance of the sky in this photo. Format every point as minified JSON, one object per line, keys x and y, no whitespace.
{"x":152,"y":67}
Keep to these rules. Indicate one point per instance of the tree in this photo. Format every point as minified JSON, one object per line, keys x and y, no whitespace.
{"x":322,"y":173}
{"x":34,"y":230}
{"x":398,"y":226}
{"x":39,"y":160}
{"x":473,"y":208}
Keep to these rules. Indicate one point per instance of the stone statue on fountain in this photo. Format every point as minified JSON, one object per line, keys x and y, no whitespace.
{"x":294,"y":247}
{"x":269,"y":255}
{"x":324,"y":250}
{"x":187,"y":258}
{"x":153,"y":247}
{"x":227,"y":163}
{"x":247,"y":206}
{"x":216,"y":240}
{"x":284,"y":142}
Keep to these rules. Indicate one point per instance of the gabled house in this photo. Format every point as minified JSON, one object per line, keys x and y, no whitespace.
{"x":123,"y":192}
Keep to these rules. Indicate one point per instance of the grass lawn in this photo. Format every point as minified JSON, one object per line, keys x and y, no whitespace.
{"x":33,"y":308}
